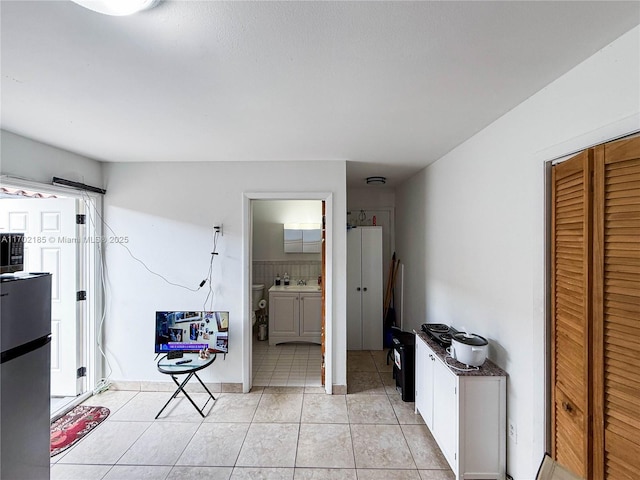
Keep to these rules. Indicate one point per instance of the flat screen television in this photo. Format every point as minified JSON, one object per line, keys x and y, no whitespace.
{"x":181,"y":331}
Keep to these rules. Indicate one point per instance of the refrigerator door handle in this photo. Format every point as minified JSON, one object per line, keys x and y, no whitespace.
{"x":23,"y":349}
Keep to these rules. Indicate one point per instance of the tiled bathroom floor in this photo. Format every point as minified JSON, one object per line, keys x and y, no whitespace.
{"x":292,"y":433}
{"x":287,"y":364}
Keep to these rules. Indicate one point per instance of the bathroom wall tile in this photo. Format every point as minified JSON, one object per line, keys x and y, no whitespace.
{"x":326,"y":445}
{"x":269,"y":445}
{"x":215,"y":444}
{"x":258,"y":270}
{"x":381,"y":446}
{"x":305,"y":271}
{"x":200,"y":473}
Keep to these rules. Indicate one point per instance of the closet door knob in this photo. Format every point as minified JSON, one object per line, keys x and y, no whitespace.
{"x":365,"y":289}
{"x":358,"y":289}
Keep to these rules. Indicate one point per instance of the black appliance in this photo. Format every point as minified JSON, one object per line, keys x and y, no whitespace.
{"x":25,"y":376}
{"x":403,"y":348}
{"x":440,"y":333}
{"x":11,"y":252}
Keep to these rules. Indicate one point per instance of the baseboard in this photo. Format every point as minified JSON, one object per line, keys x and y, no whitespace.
{"x":339,"y":390}
{"x":170,"y":387}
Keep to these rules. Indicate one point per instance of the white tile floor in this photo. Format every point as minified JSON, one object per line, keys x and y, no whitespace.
{"x":286,"y":365}
{"x":292,"y":433}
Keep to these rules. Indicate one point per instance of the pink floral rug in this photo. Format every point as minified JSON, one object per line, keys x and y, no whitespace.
{"x":70,"y":428}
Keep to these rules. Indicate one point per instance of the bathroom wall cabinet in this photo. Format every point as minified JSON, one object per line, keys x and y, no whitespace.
{"x":465,"y":411}
{"x":302,"y":238}
{"x":364,"y":288}
{"x":295,"y":317}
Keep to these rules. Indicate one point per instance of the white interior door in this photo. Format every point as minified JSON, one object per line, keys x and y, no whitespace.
{"x":49,"y":227}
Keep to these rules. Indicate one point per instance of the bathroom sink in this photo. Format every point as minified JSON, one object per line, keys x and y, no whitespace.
{"x":304,"y":288}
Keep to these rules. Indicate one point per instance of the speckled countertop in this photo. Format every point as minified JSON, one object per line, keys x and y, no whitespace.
{"x":488,"y":368}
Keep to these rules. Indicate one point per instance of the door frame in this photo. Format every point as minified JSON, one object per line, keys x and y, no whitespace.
{"x":247,"y":262}
{"x":91,"y":281}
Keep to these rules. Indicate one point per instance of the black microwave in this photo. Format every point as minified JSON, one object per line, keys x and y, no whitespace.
{"x":11,"y":252}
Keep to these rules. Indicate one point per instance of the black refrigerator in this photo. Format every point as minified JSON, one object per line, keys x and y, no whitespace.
{"x":25,"y":376}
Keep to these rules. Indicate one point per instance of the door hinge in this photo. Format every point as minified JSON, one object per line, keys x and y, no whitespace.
{"x":81,"y":219}
{"x":81,"y":295}
{"x":82,"y":372}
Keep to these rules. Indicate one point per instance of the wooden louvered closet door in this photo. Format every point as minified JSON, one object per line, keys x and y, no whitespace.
{"x":595,"y":337}
{"x":571,"y":312}
{"x":617,"y":310}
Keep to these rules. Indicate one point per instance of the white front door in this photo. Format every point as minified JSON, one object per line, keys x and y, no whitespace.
{"x":49,"y":227}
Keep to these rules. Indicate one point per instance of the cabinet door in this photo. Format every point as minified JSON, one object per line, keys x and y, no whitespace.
{"x":310,"y":315}
{"x":284,"y":315}
{"x":445,"y":411}
{"x":424,"y":382}
{"x":371,"y":267}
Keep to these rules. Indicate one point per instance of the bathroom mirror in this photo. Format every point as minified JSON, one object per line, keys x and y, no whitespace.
{"x":302,"y":238}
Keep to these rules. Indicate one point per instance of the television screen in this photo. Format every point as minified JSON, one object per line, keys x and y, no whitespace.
{"x":192,"y":331}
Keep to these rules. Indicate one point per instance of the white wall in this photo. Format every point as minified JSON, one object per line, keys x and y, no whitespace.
{"x":470,"y":228}
{"x":269,"y":217}
{"x":370,"y":196}
{"x":31,"y":160}
{"x":167,"y":211}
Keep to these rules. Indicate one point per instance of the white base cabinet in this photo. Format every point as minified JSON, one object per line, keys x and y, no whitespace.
{"x":295,"y":317}
{"x":465,"y":411}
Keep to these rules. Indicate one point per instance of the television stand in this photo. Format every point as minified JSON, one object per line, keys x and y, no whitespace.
{"x":188,"y":365}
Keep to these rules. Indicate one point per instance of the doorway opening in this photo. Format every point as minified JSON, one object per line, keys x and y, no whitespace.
{"x":296,"y":355}
{"x":55,"y":227}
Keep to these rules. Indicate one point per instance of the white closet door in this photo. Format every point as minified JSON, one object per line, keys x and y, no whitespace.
{"x":371,"y":268}
{"x":354,"y":297}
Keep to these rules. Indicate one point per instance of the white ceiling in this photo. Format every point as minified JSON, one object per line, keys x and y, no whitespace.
{"x":388,"y":86}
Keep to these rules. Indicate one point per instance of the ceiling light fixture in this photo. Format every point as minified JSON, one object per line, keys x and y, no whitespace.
{"x":376,"y":180}
{"x":117,"y":7}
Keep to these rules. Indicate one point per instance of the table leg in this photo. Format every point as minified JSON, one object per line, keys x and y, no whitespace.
{"x":181,"y":389}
